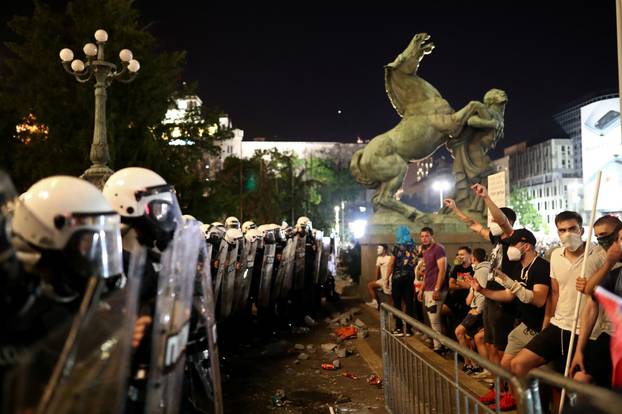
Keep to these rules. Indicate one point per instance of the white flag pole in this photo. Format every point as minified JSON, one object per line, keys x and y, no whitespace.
{"x":586,"y":252}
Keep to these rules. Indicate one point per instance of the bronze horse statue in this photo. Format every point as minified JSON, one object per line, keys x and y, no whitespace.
{"x":428,"y":122}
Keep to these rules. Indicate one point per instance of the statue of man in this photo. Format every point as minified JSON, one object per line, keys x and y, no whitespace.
{"x":471,"y":162}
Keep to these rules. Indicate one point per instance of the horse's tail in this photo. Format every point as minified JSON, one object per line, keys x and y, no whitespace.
{"x":359,"y":176}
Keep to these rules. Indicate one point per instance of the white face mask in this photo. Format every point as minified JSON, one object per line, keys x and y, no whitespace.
{"x":514,"y":254}
{"x":571,"y":241}
{"x":496,"y":229}
{"x":380,"y":250}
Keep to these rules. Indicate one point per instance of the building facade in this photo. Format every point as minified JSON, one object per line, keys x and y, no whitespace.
{"x":548,"y":171}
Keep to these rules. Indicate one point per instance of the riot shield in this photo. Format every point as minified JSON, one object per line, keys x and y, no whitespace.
{"x":217,"y":256}
{"x":172,"y":319}
{"x":267,"y":268}
{"x":244,"y":274}
{"x":83,"y":364}
{"x":324,"y":259}
{"x":203,"y":375}
{"x":299,"y":266}
{"x":284,"y":277}
{"x":318,"y":236}
{"x":233,"y":238}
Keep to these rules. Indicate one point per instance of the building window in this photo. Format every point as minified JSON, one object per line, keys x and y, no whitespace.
{"x":546,"y":207}
{"x":538,"y":205}
{"x":540,"y":191}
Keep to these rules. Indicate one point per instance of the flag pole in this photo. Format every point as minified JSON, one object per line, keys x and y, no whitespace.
{"x":586,"y":252}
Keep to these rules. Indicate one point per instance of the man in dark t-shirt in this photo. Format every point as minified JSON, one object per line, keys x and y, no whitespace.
{"x":459,"y":287}
{"x":529,"y":282}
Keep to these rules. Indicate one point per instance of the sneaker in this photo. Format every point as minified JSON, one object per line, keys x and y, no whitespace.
{"x":476,"y":372}
{"x":489,"y":397}
{"x":372,"y":304}
{"x":397,"y":332}
{"x":506,"y":402}
{"x":467,"y":368}
{"x":409,"y":333}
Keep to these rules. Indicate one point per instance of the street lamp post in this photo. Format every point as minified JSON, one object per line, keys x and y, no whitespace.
{"x":441,"y":186}
{"x":104,"y":73}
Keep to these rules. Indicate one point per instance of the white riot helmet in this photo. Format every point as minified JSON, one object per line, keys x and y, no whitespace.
{"x":272,"y":233}
{"x":232,"y":223}
{"x":247,"y":225}
{"x":303,"y":224}
{"x":233,"y":235}
{"x":145,"y":202}
{"x":253,"y":235}
{"x":188,"y":218}
{"x":69,"y":220}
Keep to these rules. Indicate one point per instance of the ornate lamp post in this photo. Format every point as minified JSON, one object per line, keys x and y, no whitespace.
{"x":104,"y":73}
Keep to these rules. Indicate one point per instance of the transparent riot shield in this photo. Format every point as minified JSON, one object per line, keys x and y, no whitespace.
{"x":299,"y":265}
{"x":172,"y":319}
{"x":228,"y":283}
{"x":203,"y":369}
{"x":318,"y":256}
{"x":284,"y":277}
{"x":244,"y":275}
{"x":267,"y":268}
{"x":325,"y":257}
{"x":82,"y":365}
{"x":221,"y":268}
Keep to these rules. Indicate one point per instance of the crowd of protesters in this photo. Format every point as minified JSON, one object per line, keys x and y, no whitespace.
{"x":515,"y":303}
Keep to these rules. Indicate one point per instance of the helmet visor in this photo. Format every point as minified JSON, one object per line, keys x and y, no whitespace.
{"x":95,"y":247}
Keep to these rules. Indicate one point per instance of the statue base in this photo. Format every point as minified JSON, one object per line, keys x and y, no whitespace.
{"x":97,"y":175}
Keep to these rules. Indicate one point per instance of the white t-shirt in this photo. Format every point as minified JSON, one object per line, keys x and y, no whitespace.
{"x":566,"y":274}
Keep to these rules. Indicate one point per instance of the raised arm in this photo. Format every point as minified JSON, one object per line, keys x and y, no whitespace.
{"x":496,"y":213}
{"x":474,"y":225}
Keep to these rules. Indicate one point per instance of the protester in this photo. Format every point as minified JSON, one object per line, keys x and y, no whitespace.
{"x":384,"y":269}
{"x":459,"y":287}
{"x":530,"y":284}
{"x":551,"y":344}
{"x":606,"y":229}
{"x":473,"y":322}
{"x":435,"y":283}
{"x":403,"y":278}
{"x":498,"y":317}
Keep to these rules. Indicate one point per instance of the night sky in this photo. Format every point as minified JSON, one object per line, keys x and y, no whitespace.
{"x":284,"y":72}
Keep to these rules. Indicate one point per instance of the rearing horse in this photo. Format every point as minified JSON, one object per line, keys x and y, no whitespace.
{"x":428,"y":121}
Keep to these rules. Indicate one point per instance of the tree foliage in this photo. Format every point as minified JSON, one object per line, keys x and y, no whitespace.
{"x":526,"y":213}
{"x":35,"y":86}
{"x":273,"y":186}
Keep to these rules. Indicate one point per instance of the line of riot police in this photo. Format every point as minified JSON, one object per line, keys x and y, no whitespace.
{"x":111,"y":300}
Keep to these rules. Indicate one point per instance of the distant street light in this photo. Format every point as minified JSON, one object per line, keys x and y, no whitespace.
{"x":104,"y":72}
{"x":440,"y":186}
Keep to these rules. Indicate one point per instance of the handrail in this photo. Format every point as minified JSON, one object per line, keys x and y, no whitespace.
{"x":604,"y":399}
{"x":523,"y":396}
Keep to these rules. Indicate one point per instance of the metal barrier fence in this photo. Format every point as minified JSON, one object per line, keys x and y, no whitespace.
{"x":413,"y":384}
{"x":581,"y":397}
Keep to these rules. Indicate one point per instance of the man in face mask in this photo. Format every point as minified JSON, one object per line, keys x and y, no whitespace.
{"x":384,"y":269}
{"x":592,"y":359}
{"x":498,"y":317}
{"x":566,"y":263}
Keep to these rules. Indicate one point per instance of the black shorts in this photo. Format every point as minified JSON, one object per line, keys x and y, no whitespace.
{"x":552,"y":345}
{"x":498,"y":323}
{"x":472,"y":324}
